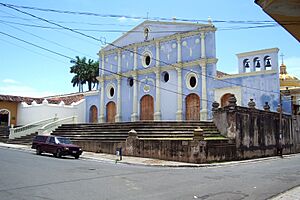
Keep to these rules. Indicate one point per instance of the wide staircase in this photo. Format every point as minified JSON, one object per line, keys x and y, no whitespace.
{"x":24,"y":140}
{"x":117,"y":132}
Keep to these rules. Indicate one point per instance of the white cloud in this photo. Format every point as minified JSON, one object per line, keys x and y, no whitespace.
{"x":122,"y":19}
{"x":293,"y":66}
{"x":22,"y":90}
{"x":10,"y":81}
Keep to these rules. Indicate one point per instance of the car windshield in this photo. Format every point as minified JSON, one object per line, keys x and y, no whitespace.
{"x":63,"y":140}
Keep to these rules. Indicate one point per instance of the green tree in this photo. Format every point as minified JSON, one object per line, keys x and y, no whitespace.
{"x":86,"y":71}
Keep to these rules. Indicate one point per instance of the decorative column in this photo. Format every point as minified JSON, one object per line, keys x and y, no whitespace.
{"x":178,"y":49}
{"x":157,"y":114}
{"x":102,"y":106}
{"x":103,"y":63}
{"x":203,"y":51}
{"x":118,"y":113}
{"x":119,"y":109}
{"x":134,"y":115}
{"x":203,"y":112}
{"x":179,"y":95}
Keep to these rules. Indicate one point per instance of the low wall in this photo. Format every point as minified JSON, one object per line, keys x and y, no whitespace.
{"x":193,"y":151}
{"x":256,"y":132}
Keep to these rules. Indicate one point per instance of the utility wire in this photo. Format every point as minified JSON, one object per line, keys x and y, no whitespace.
{"x":59,"y":54}
{"x":137,"y":17}
{"x":91,"y":37}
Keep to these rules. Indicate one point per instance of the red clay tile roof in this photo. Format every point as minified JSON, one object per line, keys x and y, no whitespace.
{"x":221,"y":74}
{"x":67,"y":99}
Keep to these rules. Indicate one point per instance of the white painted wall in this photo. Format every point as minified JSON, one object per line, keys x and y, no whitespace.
{"x":36,"y":112}
{"x":233,"y":90}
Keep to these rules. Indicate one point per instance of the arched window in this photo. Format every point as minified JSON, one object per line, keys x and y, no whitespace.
{"x":4,"y":117}
{"x":256,"y":63}
{"x":246,"y":65}
{"x":267,"y":62}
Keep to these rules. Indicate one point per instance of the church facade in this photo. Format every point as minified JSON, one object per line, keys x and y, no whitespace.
{"x":167,"y":71}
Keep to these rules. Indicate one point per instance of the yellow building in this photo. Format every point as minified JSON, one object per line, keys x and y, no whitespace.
{"x":291,"y":83}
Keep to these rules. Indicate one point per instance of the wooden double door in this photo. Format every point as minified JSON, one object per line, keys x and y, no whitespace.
{"x":192,"y":106}
{"x":110,"y":112}
{"x":147,"y":108}
{"x":93,"y":114}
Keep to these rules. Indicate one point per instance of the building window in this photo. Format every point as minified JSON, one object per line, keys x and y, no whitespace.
{"x":130,"y":81}
{"x":166,"y":77}
{"x":146,"y":33}
{"x":146,"y":59}
{"x":191,"y":80}
{"x":110,"y":91}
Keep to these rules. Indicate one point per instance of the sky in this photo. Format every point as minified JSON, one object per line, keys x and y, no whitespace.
{"x":35,"y":60}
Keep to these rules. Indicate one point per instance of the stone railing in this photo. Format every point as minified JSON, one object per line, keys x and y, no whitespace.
{"x":29,"y":128}
{"x":48,"y":128}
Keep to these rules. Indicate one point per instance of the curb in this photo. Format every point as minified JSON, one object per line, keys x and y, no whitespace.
{"x":166,"y":164}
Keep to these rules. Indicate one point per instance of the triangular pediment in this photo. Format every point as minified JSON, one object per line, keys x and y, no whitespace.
{"x":156,"y":29}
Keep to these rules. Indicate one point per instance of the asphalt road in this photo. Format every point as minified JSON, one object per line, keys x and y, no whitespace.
{"x":24,"y":175}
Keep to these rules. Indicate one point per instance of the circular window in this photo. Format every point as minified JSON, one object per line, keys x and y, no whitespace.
{"x":110,"y":90}
{"x":165,"y":76}
{"x":146,"y":59}
{"x":191,"y":80}
{"x":130,"y":81}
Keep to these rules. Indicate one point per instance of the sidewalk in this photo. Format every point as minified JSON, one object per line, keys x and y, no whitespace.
{"x":293,"y":194}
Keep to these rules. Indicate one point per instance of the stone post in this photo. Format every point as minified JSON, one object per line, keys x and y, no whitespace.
{"x":198,"y":134}
{"x":131,"y":142}
{"x":267,"y":106}
{"x":251,"y":104}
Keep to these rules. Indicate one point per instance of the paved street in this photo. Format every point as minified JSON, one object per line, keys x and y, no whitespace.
{"x":24,"y":175}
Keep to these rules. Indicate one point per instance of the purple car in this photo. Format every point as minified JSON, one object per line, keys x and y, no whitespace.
{"x":58,"y":146}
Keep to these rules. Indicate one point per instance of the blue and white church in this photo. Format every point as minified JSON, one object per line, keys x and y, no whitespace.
{"x":167,"y":71}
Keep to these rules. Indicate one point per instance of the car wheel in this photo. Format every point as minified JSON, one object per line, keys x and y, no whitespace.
{"x":76,"y":156}
{"x":38,"y":151}
{"x":58,"y":153}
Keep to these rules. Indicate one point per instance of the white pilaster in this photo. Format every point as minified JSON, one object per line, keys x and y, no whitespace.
{"x":157,"y":54}
{"x":103,"y":64}
{"x":102,"y":106}
{"x":203,"y":112}
{"x":135,"y":58}
{"x":178,"y":49}
{"x":134,"y":115}
{"x":118,"y":113}
{"x":119,"y":61}
{"x":179,"y":95}
{"x":203,"y":50}
{"x":157,"y":114}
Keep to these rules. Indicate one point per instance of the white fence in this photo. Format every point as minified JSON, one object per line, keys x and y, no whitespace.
{"x":41,"y":127}
{"x":29,"y":128}
{"x":48,"y":128}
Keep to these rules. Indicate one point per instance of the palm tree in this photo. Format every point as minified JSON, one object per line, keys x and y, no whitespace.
{"x":85,"y":71}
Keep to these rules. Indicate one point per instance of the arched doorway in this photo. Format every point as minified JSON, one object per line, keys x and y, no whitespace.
{"x":192,"y":105}
{"x":225,"y":98}
{"x":147,"y":108}
{"x":93,"y":117}
{"x":110,"y":112}
{"x":4,"y":117}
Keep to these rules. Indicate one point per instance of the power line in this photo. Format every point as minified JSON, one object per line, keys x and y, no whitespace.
{"x":59,"y":54}
{"x":134,"y":17}
{"x":32,"y":51}
{"x":91,"y":37}
{"x":50,"y":41}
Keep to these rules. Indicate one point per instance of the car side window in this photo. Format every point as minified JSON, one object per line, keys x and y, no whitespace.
{"x":51,"y":140}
